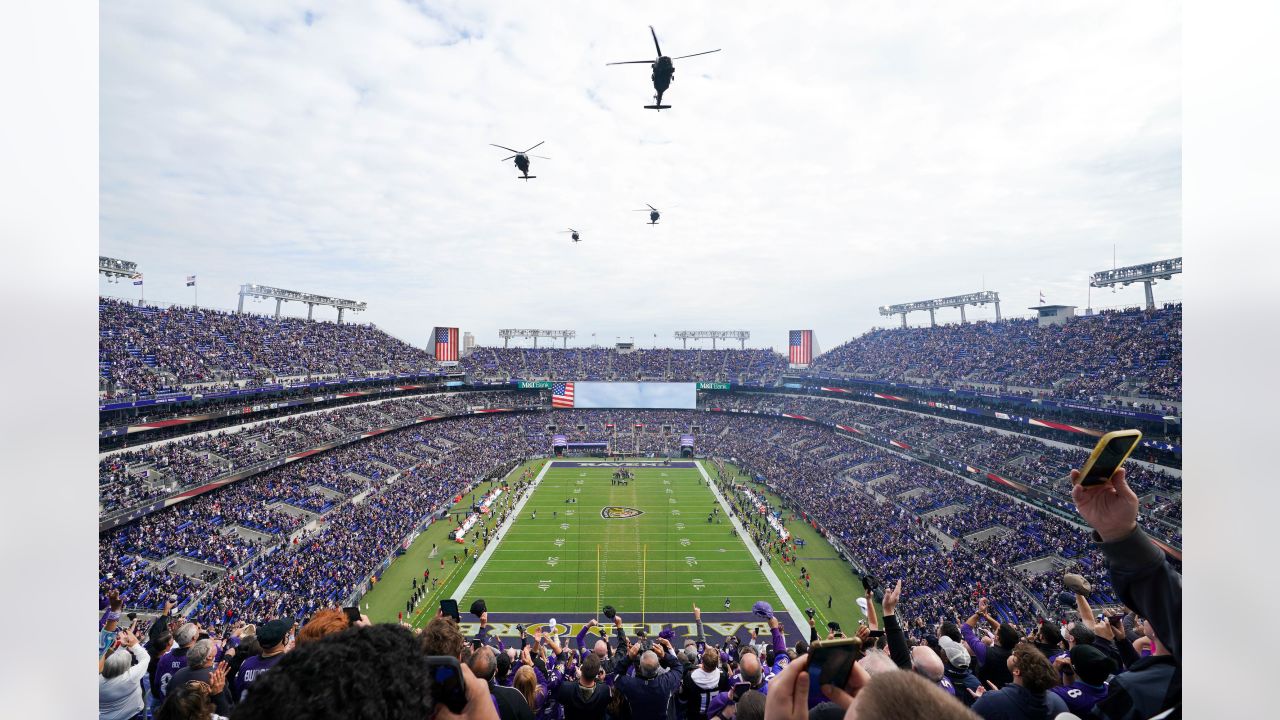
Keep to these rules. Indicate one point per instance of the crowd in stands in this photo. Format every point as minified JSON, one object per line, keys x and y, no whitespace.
{"x":132,"y":478}
{"x":1021,"y":458}
{"x":754,"y":366}
{"x":1134,"y":352}
{"x":907,"y":662}
{"x":148,"y":349}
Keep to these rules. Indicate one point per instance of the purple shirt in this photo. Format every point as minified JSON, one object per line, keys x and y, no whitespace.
{"x":250,"y":670}
{"x":168,"y":665}
{"x":1081,"y":696}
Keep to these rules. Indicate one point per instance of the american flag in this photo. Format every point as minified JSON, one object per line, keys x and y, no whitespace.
{"x":191,"y":281}
{"x":137,"y":278}
{"x":801,"y":343}
{"x":562,"y":395}
{"x":446,"y":344}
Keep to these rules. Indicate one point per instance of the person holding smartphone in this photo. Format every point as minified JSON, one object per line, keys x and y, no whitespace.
{"x":120,"y":681}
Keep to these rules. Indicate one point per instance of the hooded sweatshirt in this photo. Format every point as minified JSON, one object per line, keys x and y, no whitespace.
{"x":1014,"y":702}
{"x":697,"y":689}
{"x":582,"y":703}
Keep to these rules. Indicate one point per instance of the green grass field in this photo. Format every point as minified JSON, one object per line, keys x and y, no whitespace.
{"x":571,"y":559}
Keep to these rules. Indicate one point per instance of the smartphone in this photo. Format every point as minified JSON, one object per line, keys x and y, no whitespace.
{"x":740,"y":689}
{"x":448,"y":687}
{"x":1107,"y":456}
{"x":830,"y":662}
{"x":353,"y":614}
{"x":449,"y":608}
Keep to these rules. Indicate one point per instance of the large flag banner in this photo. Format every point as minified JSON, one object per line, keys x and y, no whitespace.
{"x":191,"y":281}
{"x":801,"y":347}
{"x":137,"y":278}
{"x":562,"y":395}
{"x":446,"y":344}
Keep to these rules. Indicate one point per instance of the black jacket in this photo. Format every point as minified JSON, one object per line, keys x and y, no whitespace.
{"x":582,"y":704}
{"x":650,"y":698}
{"x":1014,"y":702}
{"x":996,"y":666}
{"x":1146,"y":582}
{"x":1150,"y":686}
{"x":510,"y":703}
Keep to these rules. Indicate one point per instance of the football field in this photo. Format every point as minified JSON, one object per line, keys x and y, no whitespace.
{"x":658,"y":544}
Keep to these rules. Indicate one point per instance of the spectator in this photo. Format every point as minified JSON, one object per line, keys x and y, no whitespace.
{"x":649,"y":692}
{"x":325,"y":622}
{"x":377,"y":671}
{"x":510,"y":703}
{"x":174,"y":660}
{"x":200,"y":668}
{"x":275,"y":639}
{"x":586,"y":698}
{"x":1084,"y":675}
{"x":189,"y":701}
{"x":120,"y":681}
{"x":1028,"y":696}
{"x":526,"y":683}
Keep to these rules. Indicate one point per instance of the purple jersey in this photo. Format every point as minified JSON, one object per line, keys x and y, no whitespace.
{"x":1081,"y":697}
{"x":168,"y":666}
{"x":250,"y":670}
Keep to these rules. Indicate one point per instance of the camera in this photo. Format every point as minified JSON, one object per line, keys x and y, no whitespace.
{"x":519,"y":629}
{"x":809,"y":612}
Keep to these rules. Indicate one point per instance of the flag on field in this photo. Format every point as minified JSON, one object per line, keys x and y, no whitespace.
{"x":191,"y":281}
{"x":446,"y":344}
{"x":801,"y":347}
{"x":562,"y":395}
{"x":137,"y":278}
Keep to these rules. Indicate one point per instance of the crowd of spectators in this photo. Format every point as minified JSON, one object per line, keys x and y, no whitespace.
{"x":1126,"y":353}
{"x":754,"y":366}
{"x":823,"y":476}
{"x":132,"y":478}
{"x":151,"y":349}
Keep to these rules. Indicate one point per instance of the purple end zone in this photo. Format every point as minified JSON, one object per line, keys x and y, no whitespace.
{"x":715,"y":625}
{"x":625,"y":464}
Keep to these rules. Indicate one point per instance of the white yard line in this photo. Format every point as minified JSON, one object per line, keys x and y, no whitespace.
{"x":797,"y":616}
{"x":461,"y":591}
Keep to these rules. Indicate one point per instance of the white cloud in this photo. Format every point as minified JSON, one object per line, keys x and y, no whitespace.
{"x":824,"y":163}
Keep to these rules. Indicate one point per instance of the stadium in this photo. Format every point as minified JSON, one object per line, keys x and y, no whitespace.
{"x":841,"y":379}
{"x":252,"y":469}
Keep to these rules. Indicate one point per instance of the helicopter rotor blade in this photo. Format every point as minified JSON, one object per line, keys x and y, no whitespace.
{"x":544,"y":157}
{"x":652,"y":207}
{"x":655,"y":40}
{"x":506,"y":148}
{"x":533,"y":146}
{"x":506,"y":158}
{"x":632,"y":62}
{"x":697,"y":54}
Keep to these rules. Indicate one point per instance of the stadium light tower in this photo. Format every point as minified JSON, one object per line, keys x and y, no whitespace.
{"x":508,"y":333}
{"x":1146,"y":273}
{"x":740,"y":335}
{"x":115,"y":268}
{"x":283,"y":296}
{"x":960,"y":301}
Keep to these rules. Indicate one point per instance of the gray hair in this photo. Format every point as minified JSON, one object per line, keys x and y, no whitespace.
{"x":186,"y":634}
{"x":649,"y":664}
{"x":198,"y":654}
{"x":117,"y":663}
{"x":877,"y":661}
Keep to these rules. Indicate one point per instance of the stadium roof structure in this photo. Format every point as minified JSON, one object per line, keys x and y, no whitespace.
{"x":740,"y":335}
{"x":116,"y":268}
{"x":1146,"y":273}
{"x":282,"y":296}
{"x":507,"y":333}
{"x":960,"y":301}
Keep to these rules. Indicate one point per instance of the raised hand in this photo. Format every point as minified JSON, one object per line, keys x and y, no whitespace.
{"x":788,"y":697}
{"x":218,"y":678}
{"x":697,"y":612}
{"x":891,"y":597}
{"x":1111,"y":508}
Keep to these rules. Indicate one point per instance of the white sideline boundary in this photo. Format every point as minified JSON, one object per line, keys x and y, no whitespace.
{"x":798,"y":617}
{"x":465,"y":586}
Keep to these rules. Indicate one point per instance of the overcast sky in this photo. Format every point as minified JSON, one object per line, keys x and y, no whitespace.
{"x":832,"y":158}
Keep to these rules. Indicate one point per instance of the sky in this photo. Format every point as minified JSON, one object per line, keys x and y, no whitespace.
{"x":832,"y":158}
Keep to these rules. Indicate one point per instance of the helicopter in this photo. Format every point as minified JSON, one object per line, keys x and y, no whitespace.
{"x":522,"y":160}
{"x":653,"y":214}
{"x":663,"y":70}
{"x":574,"y":236}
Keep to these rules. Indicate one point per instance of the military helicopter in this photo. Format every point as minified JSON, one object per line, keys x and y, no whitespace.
{"x":663,"y":70}
{"x":653,"y":214}
{"x":574,"y":236}
{"x":522,"y":160}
